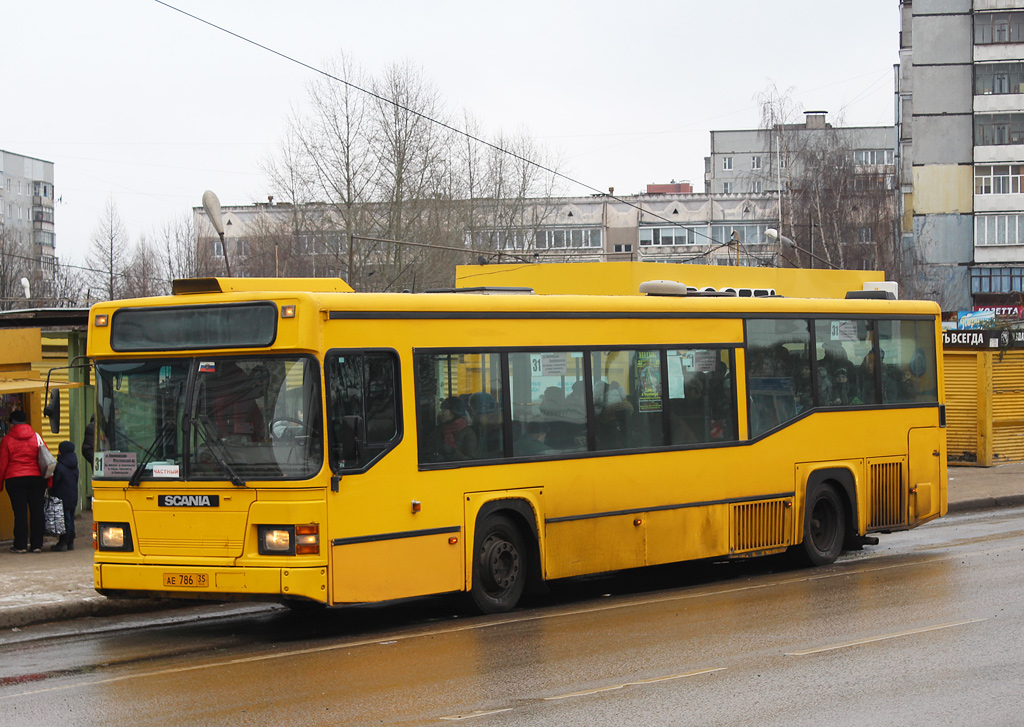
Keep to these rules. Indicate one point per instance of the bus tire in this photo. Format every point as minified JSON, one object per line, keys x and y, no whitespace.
{"x":824,"y":526}
{"x":499,"y":565}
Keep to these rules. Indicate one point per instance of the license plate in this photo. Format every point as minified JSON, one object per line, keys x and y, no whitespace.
{"x":186,"y":580}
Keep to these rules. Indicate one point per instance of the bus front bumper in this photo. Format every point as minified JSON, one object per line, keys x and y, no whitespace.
{"x":224,"y":584}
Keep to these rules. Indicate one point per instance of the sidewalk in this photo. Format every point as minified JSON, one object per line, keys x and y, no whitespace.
{"x":47,"y":586}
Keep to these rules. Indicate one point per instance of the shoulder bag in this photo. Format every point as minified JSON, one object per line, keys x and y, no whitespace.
{"x":47,"y":462}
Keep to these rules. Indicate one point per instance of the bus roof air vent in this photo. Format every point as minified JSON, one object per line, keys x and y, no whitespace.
{"x":870,"y":295}
{"x":666,"y":287}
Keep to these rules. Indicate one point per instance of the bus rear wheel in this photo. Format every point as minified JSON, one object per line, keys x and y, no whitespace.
{"x":499,"y":566}
{"x":824,"y":526}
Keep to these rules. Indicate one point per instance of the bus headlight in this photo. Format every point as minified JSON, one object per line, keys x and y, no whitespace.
{"x":289,"y":539}
{"x":276,"y":539}
{"x":113,"y":537}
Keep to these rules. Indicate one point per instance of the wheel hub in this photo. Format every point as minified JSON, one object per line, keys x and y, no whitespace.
{"x":501,"y":563}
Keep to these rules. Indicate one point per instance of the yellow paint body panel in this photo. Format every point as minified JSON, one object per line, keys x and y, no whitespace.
{"x":388,"y":569}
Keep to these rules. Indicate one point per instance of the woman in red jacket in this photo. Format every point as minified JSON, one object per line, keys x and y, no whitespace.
{"x":19,"y":472}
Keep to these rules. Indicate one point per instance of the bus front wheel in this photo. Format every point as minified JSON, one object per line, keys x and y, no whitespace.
{"x":824,"y":526}
{"x":499,"y":565}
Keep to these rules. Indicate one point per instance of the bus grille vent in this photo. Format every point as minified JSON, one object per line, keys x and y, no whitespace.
{"x":759,"y":525}
{"x":888,"y":506}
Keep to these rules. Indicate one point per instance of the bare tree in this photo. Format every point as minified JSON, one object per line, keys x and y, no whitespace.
{"x":840,"y":210}
{"x":144,"y":274}
{"x":107,"y":253}
{"x":412,"y":153}
{"x":14,"y":259}
{"x":68,"y":286}
{"x":182,"y":257}
{"x":325,"y":168}
{"x":377,"y":191}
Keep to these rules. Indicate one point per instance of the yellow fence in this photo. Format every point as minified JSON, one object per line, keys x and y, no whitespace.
{"x":984,"y":406}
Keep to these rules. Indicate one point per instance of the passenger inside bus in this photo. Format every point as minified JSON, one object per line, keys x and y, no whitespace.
{"x":531,"y":443}
{"x":458,"y":440}
{"x":565,"y":418}
{"x":486,"y":416}
{"x":232,"y":398}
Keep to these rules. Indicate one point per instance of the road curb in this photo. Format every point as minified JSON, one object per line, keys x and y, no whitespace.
{"x":97,"y":606}
{"x":987,"y":503}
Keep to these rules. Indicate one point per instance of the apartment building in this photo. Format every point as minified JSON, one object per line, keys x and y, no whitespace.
{"x":757,"y":161}
{"x":834,"y":187}
{"x":666,"y":223}
{"x":26,"y":208}
{"x":961,"y":129}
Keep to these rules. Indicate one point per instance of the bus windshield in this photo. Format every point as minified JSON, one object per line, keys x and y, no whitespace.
{"x":208,"y":418}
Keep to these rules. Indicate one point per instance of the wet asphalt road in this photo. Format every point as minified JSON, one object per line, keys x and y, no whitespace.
{"x":927,"y":628}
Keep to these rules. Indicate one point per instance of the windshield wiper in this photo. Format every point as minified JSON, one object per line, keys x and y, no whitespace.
{"x":160,"y":440}
{"x":212,"y":437}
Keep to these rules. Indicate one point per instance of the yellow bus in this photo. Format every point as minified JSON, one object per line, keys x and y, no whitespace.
{"x":286,"y":440}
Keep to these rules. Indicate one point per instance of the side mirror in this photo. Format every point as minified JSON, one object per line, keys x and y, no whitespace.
{"x":52,"y":410}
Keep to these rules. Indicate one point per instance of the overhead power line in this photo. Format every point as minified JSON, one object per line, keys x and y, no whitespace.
{"x":438,"y":122}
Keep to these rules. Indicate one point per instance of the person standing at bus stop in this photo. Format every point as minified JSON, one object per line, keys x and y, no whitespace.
{"x":19,"y":473}
{"x":65,"y":488}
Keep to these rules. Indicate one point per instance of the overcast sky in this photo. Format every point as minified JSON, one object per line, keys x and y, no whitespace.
{"x":136,"y":102}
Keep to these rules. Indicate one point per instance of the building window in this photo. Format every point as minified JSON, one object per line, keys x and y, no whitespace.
{"x":864,"y":234}
{"x":998,"y":28}
{"x":998,"y":178}
{"x":727,"y":164}
{"x":746,"y":233}
{"x":623,"y":248}
{"x":873,"y":157}
{"x":667,"y":236}
{"x":998,"y":129}
{"x":992,"y":78}
{"x":755,"y":162}
{"x":755,"y":187}
{"x":998,"y":230}
{"x":727,"y":187}
{"x":997,"y":280}
{"x":568,"y":238}
{"x":512,"y":239}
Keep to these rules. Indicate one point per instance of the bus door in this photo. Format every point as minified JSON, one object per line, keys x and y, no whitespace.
{"x":381,"y":547}
{"x":926,"y":470}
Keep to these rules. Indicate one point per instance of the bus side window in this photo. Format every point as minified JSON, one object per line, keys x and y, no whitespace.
{"x":701,"y":402}
{"x":838,"y":375}
{"x":909,"y":370}
{"x":778,"y":372}
{"x":364,"y":386}
{"x":548,"y":403}
{"x":459,"y":414}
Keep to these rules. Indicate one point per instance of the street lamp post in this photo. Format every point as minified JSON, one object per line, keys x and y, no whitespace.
{"x":212,"y":206}
{"x":775,"y":235}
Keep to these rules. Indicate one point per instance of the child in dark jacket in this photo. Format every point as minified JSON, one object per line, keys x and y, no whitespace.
{"x":65,"y":486}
